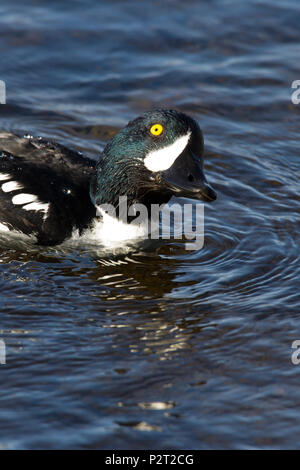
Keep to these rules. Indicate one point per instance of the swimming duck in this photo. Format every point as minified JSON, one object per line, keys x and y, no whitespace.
{"x":50,"y":191}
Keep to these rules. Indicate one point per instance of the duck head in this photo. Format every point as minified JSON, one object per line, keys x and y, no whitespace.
{"x":156,"y":156}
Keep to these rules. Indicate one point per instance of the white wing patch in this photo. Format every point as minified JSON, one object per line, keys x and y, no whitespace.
{"x":4,"y":176}
{"x":3,"y":228}
{"x":37,"y":206}
{"x":23,"y":198}
{"x":31,"y":203}
{"x":162,"y":159}
{"x":28,"y":201}
{"x":11,"y":186}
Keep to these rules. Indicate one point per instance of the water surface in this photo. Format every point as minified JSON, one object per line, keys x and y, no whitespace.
{"x":164,"y":348}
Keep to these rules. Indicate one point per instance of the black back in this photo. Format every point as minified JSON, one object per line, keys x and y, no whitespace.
{"x":57,"y":176}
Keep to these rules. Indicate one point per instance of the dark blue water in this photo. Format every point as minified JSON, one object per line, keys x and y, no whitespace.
{"x":167,"y":348}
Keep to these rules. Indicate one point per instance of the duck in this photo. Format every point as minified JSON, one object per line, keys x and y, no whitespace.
{"x":51,"y":192}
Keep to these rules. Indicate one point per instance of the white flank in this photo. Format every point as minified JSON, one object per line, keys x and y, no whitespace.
{"x":23,"y":198}
{"x":4,"y":176}
{"x":162,"y":159}
{"x":3,"y":228}
{"x":11,"y":186}
{"x":112,"y":229}
{"x":112,"y":232}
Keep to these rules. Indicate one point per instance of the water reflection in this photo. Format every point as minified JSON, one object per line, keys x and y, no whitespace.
{"x":159,"y":348}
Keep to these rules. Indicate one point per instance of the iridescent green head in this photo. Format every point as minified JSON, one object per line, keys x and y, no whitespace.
{"x":157,"y":155}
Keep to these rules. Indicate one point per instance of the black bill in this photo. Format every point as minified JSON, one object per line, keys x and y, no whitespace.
{"x":186,"y":178}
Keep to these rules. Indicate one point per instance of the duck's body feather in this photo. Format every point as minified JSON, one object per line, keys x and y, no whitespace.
{"x":44,"y":188}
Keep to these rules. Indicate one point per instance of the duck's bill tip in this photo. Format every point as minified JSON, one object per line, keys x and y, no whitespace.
{"x":201,"y":192}
{"x":206,"y":194}
{"x":185,"y":178}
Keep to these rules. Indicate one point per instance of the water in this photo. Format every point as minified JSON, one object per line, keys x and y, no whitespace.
{"x":166,"y":348}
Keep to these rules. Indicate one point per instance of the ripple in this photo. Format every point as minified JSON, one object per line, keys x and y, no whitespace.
{"x":158,"y":347}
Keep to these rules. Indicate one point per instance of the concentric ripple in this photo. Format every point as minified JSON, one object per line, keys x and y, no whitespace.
{"x":158,"y":347}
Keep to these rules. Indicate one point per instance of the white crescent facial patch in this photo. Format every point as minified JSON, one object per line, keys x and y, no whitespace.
{"x":162,"y":159}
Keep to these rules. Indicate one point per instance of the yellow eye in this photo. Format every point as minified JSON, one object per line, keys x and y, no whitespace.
{"x":156,"y":129}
